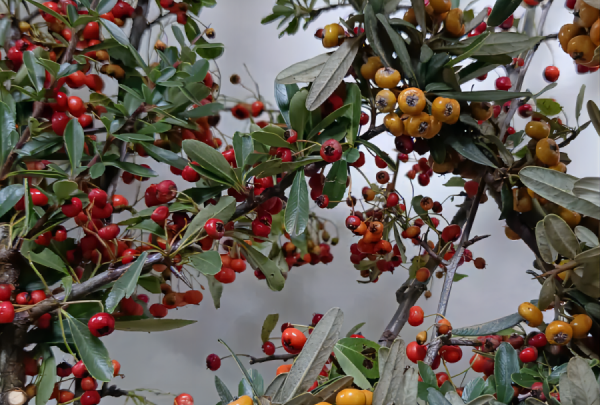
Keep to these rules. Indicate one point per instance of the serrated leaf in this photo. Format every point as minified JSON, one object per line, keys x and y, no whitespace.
{"x":125,"y":285}
{"x":489,"y":328}
{"x":297,"y":209}
{"x":333,"y":73}
{"x":313,"y":356}
{"x":91,"y":350}
{"x":208,"y":263}
{"x":557,"y":187}
{"x":268,"y":326}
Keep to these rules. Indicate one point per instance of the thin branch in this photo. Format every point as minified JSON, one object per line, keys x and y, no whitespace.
{"x":474,"y":240}
{"x":284,"y":357}
{"x":451,"y":269}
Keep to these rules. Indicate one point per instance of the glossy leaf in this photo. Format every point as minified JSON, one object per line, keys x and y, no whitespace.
{"x":303,"y":72}
{"x":470,"y":50}
{"x":400,"y":49}
{"x":74,"y":141}
{"x":35,"y":71}
{"x":209,"y":159}
{"x":64,"y":189}
{"x":335,"y":183}
{"x":371,"y":29}
{"x":208,"y":263}
{"x":9,"y":197}
{"x":46,"y":376}
{"x":216,"y":289}
{"x":152,"y":325}
{"x":49,"y":259}
{"x":345,"y":110}
{"x":91,"y":351}
{"x":547,"y":253}
{"x":489,"y":328}
{"x":353,"y":98}
{"x":588,"y":188}
{"x":557,"y":187}
{"x":485,"y":95}
{"x":313,"y":356}
{"x":165,"y":156}
{"x":283,"y":96}
{"x":560,"y":236}
{"x":297,"y":209}
{"x":333,"y":73}
{"x":271,"y":139}
{"x":125,"y":285}
{"x":268,"y":326}
{"x":468,"y":149}
{"x":268,"y":267}
{"x":361,"y":354}
{"x":298,"y":112}
{"x":594,"y":114}
{"x":349,"y":367}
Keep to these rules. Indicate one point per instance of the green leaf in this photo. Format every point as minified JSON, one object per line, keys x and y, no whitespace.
{"x":271,"y":139}
{"x":165,"y":156}
{"x":501,"y":11}
{"x":298,"y":112}
{"x":353,"y":98}
{"x":150,"y":283}
{"x":335,"y":183}
{"x":467,"y":148}
{"x":268,"y":326}
{"x":557,"y":187}
{"x":201,"y":195}
{"x":209,"y":159}
{"x":65,"y":189}
{"x":434,"y":397}
{"x":485,"y":95}
{"x":97,"y":170}
{"x":547,"y":253}
{"x":313,"y":356}
{"x":473,"y":389}
{"x":223,"y":210}
{"x":355,"y":362}
{"x":7,"y":125}
{"x":203,"y":110}
{"x":152,"y":325}
{"x":276,"y":166}
{"x":49,"y":259}
{"x":419,"y":8}
{"x":547,"y":106}
{"x":583,"y":234}
{"x":223,"y":391}
{"x":46,"y":375}
{"x":242,"y":368}
{"x":303,"y":72}
{"x":296,"y":211}
{"x":243,"y":146}
{"x":343,"y":111}
{"x":395,"y":385}
{"x":470,"y":50}
{"x":91,"y":350}
{"x":208,"y":263}
{"x":427,"y":374}
{"x":35,"y":71}
{"x":504,"y":153}
{"x":400,"y":49}
{"x":132,"y":168}
{"x":588,"y":188}
{"x":258,"y":261}
{"x":208,"y":50}
{"x":546,"y":294}
{"x":560,"y":236}
{"x":489,"y":328}
{"x":355,"y":329}
{"x":125,"y":285}
{"x":216,"y":289}
{"x":104,"y":6}
{"x":333,"y":73}
{"x":283,"y":95}
{"x":579,"y":103}
{"x":9,"y":197}
{"x":506,"y":363}
{"x":594,"y":114}
{"x":455,"y":182}
{"x":371,"y":29}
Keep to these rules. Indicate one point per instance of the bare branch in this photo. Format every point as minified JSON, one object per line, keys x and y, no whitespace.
{"x":474,"y":240}
{"x":284,"y":357}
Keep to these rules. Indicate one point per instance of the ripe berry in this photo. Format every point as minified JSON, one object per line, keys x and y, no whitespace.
{"x":508,"y":23}
{"x":214,"y":228}
{"x":225,"y":275}
{"x":423,"y":274}
{"x":213,"y":362}
{"x":90,"y":398}
{"x":91,"y":31}
{"x":451,"y":233}
{"x":79,"y":370}
{"x":392,"y":200}
{"x":503,"y":83}
{"x":551,"y":73}
{"x":423,"y":179}
{"x":528,"y":354}
{"x":184,"y":399}
{"x":238,"y":265}
{"x":415,"y":352}
{"x":293,"y":340}
{"x":89,"y":383}
{"x":109,"y":232}
{"x":537,"y":391}
{"x":316,"y":318}
{"x":284,"y":154}
{"x":129,"y":256}
{"x":5,"y":292}
{"x":101,"y":324}
{"x":158,"y":310}
{"x":451,"y":354}
{"x":322,"y":201}
{"x":331,"y":151}
{"x":364,"y":118}
{"x":24,"y":298}
{"x":160,"y":215}
{"x":63,"y":369}
{"x":72,"y":208}
{"x":290,"y":135}
{"x":98,"y":197}
{"x":441,"y":378}
{"x":416,"y":316}
{"x":525,"y":110}
{"x":479,"y":263}
{"x":268,"y":348}
{"x":538,"y":340}
{"x":189,"y":174}
{"x":257,"y":108}
{"x":7,"y":312}
{"x":37,"y":296}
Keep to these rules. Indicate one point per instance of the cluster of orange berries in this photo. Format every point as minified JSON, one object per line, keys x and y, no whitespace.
{"x":581,"y":38}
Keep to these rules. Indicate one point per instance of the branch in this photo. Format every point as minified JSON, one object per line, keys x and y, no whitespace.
{"x":474,"y":240}
{"x":451,"y":268}
{"x":284,"y":357}
{"x":112,"y":391}
{"x":372,"y":133}
{"x":139,"y":24}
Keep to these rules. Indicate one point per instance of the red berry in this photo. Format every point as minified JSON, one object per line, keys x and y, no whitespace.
{"x":89,"y":383}
{"x":423,"y":179}
{"x":213,"y":362}
{"x":109,"y":232}
{"x":392,"y":200}
{"x":90,"y":398}
{"x":415,"y":352}
{"x":23,"y":298}
{"x":316,"y":318}
{"x":379,"y":162}
{"x":37,"y":296}
{"x":441,"y":378}
{"x":101,"y":324}
{"x":451,"y":354}
{"x":38,"y":198}
{"x":189,"y":174}
{"x":158,"y":310}
{"x":364,"y":118}
{"x":322,"y":201}
{"x":508,"y":23}
{"x":257,"y":108}
{"x":268,"y":348}
{"x":160,"y":215}
{"x":331,"y":151}
{"x":63,"y":369}
{"x":471,"y":188}
{"x":503,"y":83}
{"x":293,"y":340}
{"x":284,"y":154}
{"x":416,"y":316}
{"x":7,"y":312}
{"x":482,"y":77}
{"x":91,"y":30}
{"x":98,"y":197}
{"x":214,"y":228}
{"x":72,"y":208}
{"x":184,"y":399}
{"x":360,"y":161}
{"x":538,"y":340}
{"x":226,"y":275}
{"x":290,"y":136}
{"x":128,"y":255}
{"x":528,"y":354}
{"x":551,"y":73}
{"x":79,"y":370}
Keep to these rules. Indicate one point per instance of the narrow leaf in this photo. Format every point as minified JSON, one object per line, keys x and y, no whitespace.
{"x":125,"y":286}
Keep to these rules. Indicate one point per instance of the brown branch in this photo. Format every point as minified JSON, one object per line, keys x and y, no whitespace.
{"x":451,"y":268}
{"x":284,"y":357}
{"x":474,"y":240}
{"x":560,"y":269}
{"x":112,"y":391}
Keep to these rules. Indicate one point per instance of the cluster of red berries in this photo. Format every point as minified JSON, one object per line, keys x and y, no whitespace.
{"x":87,"y":383}
{"x":421,"y":170}
{"x":179,"y":9}
{"x":242,"y":111}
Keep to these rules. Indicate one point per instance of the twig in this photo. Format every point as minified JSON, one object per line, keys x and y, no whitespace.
{"x":474,"y":240}
{"x":284,"y":357}
{"x":451,"y":268}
